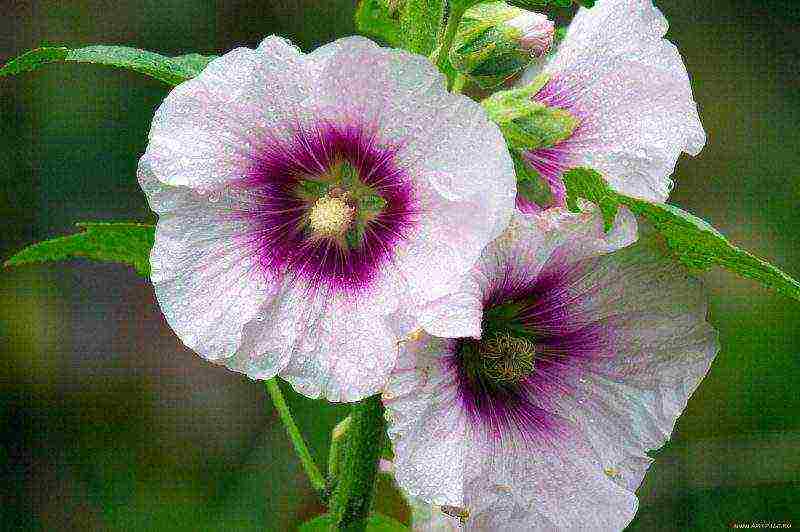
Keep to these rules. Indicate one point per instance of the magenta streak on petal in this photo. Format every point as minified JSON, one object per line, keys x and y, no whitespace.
{"x":571,"y":344}
{"x":275,"y":212}
{"x":551,"y":162}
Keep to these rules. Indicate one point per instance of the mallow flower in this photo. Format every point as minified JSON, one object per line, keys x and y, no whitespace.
{"x":615,"y":96}
{"x":562,"y":360}
{"x":303,"y":197}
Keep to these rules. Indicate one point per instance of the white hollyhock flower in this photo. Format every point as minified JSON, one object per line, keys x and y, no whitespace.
{"x":302,"y":197}
{"x":569,"y":360}
{"x":629,"y":90}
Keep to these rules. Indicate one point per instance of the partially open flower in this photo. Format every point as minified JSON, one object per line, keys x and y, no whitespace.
{"x":496,"y":41}
{"x":571,"y":359}
{"x":628,"y":98}
{"x":303,"y":197}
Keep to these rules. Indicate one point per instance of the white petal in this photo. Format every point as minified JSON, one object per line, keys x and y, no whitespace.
{"x":208,"y":129}
{"x":633,"y":86}
{"x":628,"y":402}
{"x":456,"y":157}
{"x":206,"y":280}
{"x":444,"y":134}
{"x":454,"y":316}
{"x":427,"y":428}
{"x":530,"y":486}
{"x":554,"y":236}
{"x":345,"y":355}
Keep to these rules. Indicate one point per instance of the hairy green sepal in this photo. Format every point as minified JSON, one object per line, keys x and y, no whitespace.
{"x":527,"y":124}
{"x":170,"y":70}
{"x":530,"y":184}
{"x":692,"y":241}
{"x":127,"y":243}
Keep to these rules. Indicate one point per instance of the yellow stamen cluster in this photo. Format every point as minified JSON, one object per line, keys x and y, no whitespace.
{"x":507,"y":358}
{"x":331,"y":216}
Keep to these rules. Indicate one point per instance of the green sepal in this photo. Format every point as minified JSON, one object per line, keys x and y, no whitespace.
{"x":375,"y":523}
{"x":525,"y":123}
{"x":692,"y":241}
{"x":530,"y":184}
{"x":128,"y":243}
{"x":170,"y":70}
{"x":375,"y":19}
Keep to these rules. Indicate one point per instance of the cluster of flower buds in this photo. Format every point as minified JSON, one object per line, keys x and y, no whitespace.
{"x":495,"y":41}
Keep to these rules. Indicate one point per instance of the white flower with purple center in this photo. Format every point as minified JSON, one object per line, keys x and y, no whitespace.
{"x":628,"y":94}
{"x":304,"y":198}
{"x":561,"y":362}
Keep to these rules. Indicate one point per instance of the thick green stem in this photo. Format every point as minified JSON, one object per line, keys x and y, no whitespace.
{"x":300,"y":447}
{"x":355,"y":486}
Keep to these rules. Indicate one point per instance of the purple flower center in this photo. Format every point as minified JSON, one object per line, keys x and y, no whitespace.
{"x":329,"y":206}
{"x":536,"y":344}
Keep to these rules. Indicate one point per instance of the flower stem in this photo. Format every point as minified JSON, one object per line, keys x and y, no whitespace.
{"x":352,"y":497}
{"x":451,"y":17}
{"x":300,"y":447}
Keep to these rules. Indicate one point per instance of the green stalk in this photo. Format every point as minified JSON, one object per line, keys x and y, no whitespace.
{"x":451,"y":18}
{"x":352,"y":497}
{"x":300,"y":447}
{"x":458,"y":84}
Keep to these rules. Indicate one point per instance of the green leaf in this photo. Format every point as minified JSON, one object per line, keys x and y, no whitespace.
{"x":129,"y":243}
{"x":691,"y":240}
{"x":376,"y":523}
{"x":374,"y":19}
{"x":419,"y":21}
{"x":171,"y":70}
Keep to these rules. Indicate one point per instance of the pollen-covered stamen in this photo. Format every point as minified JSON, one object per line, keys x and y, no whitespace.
{"x":331,"y":216}
{"x":507,"y":359}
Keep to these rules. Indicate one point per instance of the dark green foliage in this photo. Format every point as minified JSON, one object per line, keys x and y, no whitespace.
{"x":170,"y":70}
{"x":128,"y":243}
{"x":691,"y":240}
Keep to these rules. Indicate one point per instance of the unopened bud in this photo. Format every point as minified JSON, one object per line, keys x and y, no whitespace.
{"x":496,"y":41}
{"x":536,"y":32}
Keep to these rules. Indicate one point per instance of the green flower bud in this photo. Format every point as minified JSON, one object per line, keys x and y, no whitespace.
{"x":496,"y":41}
{"x":527,"y":124}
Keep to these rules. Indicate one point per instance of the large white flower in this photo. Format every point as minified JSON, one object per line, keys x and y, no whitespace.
{"x":302,"y":197}
{"x":570,"y":359}
{"x":629,"y":91}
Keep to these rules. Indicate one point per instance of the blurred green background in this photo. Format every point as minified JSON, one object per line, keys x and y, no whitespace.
{"x":108,"y":423}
